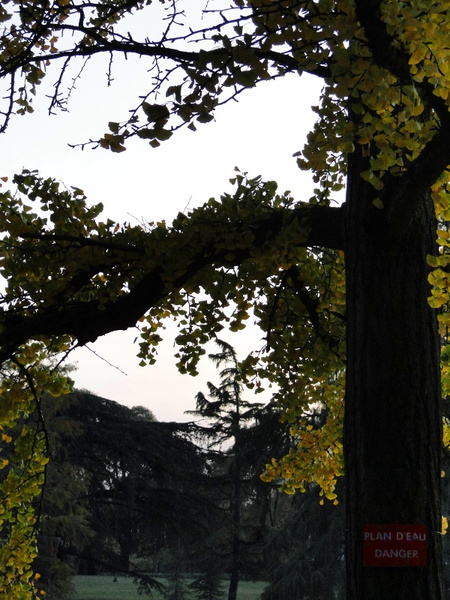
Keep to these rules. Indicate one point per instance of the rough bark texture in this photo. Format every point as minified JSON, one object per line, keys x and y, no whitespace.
{"x":393,"y":405}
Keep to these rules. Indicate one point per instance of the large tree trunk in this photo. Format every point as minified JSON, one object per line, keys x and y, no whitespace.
{"x":393,"y":404}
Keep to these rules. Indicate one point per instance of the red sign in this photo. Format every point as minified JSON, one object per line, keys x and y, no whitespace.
{"x":395,"y":545}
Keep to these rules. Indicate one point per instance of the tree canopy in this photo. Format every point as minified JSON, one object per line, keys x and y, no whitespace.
{"x":383,"y":128}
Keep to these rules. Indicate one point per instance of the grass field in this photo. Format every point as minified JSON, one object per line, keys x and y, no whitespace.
{"x":102,"y":587}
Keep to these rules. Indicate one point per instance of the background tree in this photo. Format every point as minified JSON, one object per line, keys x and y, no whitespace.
{"x":383,"y":127}
{"x":208,"y":585}
{"x":227,"y":415}
{"x":132,"y":487}
{"x":305,"y":551}
{"x":291,"y":543}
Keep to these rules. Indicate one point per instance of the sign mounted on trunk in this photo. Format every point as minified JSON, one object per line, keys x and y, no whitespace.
{"x":395,"y":545}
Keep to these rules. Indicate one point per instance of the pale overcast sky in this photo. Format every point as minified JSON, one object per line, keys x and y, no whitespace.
{"x":259,"y":135}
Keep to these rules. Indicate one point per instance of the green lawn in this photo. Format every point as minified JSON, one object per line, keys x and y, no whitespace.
{"x":102,"y":587}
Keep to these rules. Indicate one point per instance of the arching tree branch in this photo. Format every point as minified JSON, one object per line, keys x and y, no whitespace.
{"x":86,"y":321}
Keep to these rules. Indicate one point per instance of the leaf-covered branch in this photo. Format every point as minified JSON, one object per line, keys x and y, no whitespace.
{"x":404,"y":190}
{"x":226,"y":59}
{"x":86,"y":296}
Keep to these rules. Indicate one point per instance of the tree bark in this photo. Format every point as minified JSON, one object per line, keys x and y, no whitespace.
{"x":393,"y":400}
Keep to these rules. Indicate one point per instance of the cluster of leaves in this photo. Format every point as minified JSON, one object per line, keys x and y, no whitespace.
{"x":36,"y":279}
{"x":315,"y":380}
{"x":25,"y":378}
{"x":393,"y":118}
{"x":440,"y":287}
{"x":23,"y":460}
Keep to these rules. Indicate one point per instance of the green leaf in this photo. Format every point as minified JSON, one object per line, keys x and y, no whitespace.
{"x":155,"y":112}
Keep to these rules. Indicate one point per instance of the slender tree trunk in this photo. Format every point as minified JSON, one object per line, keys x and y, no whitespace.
{"x":126,"y":526}
{"x":236,"y":520}
{"x":234,"y":574}
{"x":393,"y":404}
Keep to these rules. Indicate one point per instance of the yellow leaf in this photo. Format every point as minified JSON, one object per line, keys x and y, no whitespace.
{"x":418,"y":55}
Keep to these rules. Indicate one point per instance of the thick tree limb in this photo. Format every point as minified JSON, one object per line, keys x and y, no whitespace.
{"x":386,"y":54}
{"x":409,"y":191}
{"x":404,"y":193}
{"x":86,"y":321}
